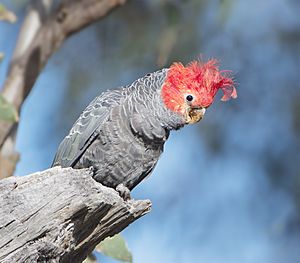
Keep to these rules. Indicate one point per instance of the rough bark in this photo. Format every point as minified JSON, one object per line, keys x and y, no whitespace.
{"x":60,"y":215}
{"x":44,"y":29}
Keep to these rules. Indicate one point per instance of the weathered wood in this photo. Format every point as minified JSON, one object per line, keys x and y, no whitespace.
{"x":60,"y":215}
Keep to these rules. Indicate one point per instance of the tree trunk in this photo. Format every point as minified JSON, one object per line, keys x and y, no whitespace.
{"x":60,"y":215}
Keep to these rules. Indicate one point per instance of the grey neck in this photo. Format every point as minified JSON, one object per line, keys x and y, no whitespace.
{"x":146,"y":92}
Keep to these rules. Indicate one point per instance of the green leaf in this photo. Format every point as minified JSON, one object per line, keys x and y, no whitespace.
{"x":7,"y":111}
{"x":7,"y":15}
{"x":116,"y":248}
{"x":1,"y":56}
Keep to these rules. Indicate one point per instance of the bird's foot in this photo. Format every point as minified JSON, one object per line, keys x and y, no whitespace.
{"x":92,"y":169}
{"x":124,"y":192}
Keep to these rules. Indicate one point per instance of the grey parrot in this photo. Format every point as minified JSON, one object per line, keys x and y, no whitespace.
{"x":121,"y":133}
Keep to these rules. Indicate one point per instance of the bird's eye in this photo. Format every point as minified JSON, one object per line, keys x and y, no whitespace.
{"x":189,"y":97}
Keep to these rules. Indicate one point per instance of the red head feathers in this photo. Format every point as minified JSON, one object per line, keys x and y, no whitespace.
{"x":201,"y":80}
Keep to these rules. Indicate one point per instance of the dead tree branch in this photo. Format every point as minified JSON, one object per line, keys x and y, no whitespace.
{"x":45,"y":28}
{"x":60,"y":215}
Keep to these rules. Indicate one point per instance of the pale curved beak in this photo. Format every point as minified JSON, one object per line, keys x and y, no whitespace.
{"x":202,"y":111}
{"x":195,"y":115}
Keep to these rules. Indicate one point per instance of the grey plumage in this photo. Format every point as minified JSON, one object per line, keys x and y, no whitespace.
{"x":121,"y":133}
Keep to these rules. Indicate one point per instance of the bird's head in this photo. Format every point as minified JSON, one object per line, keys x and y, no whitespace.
{"x":189,"y":90}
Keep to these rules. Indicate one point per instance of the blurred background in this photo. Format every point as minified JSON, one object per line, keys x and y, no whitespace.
{"x":226,"y":189}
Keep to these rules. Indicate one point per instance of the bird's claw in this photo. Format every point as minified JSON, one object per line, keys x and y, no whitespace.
{"x":124,"y":192}
{"x":92,"y":170}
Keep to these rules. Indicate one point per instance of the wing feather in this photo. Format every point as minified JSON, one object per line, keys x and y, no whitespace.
{"x":85,"y":129}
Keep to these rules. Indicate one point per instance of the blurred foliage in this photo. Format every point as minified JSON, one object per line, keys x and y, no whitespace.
{"x":7,"y":15}
{"x":169,"y":34}
{"x":7,"y":111}
{"x":116,"y":248}
{"x":225,"y":9}
{"x":167,"y":30}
